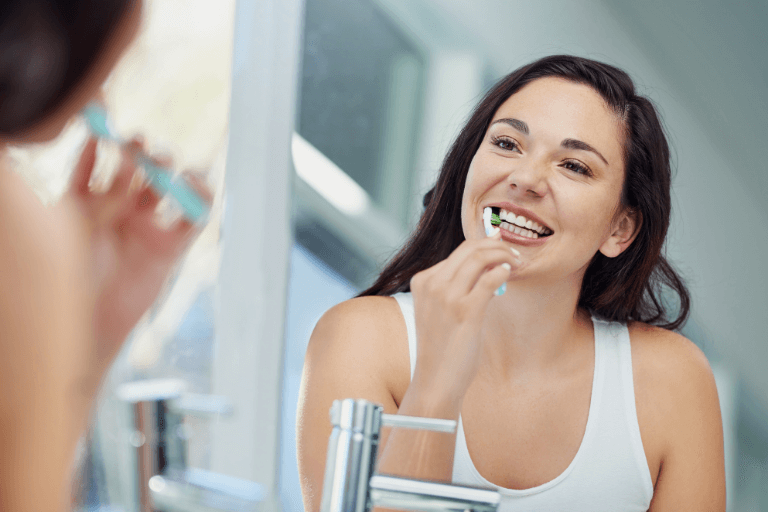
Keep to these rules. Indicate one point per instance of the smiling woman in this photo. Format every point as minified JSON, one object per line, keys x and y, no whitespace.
{"x":557,"y":408}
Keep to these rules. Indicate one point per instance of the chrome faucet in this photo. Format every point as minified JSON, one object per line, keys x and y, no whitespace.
{"x":350,"y":484}
{"x":163,"y":481}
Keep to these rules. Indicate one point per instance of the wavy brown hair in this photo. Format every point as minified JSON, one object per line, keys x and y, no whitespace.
{"x":636,"y":285}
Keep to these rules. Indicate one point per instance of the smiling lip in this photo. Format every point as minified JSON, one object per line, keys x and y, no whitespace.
{"x":516,"y":239}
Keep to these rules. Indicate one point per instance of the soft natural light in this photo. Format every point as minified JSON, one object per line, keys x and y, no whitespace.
{"x":327,"y":178}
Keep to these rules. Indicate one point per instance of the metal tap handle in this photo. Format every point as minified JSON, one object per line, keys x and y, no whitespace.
{"x":415,"y":422}
{"x":202,"y":406}
{"x":425,"y":496}
{"x":197,"y":490}
{"x":163,"y":480}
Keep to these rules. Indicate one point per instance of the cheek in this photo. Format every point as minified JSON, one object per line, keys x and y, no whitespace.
{"x":466,"y":199}
{"x":587,"y":214}
{"x":475,"y":186}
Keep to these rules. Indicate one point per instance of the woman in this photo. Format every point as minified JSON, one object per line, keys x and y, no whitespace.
{"x":556,"y":408}
{"x":75,"y":277}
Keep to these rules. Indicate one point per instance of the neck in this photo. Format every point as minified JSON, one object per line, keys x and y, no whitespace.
{"x":534,"y":328}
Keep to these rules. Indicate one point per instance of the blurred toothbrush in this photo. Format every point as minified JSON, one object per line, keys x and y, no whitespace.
{"x":193,"y":206}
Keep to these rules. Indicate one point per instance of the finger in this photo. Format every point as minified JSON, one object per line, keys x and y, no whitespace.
{"x":84,"y":168}
{"x":197,"y":180}
{"x":121,"y":182}
{"x":479,"y":263}
{"x":146,"y":199}
{"x":144,"y":196}
{"x":456,"y":261}
{"x":487,"y":284}
{"x":183,"y":227}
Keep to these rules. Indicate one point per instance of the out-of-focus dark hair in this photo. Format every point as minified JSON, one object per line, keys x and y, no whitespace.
{"x":631,"y":286}
{"x":46,"y":48}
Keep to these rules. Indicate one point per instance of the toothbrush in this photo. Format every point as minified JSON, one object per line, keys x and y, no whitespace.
{"x":195,"y":209}
{"x":491,"y":220}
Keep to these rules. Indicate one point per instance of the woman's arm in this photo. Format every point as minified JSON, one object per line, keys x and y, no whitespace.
{"x":685,"y":402}
{"x":45,"y":324}
{"x":74,"y":279}
{"x":359,"y":349}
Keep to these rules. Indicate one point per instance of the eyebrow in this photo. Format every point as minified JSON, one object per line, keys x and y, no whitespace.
{"x":522,"y":127}
{"x":577,"y":144}
{"x":517,"y":124}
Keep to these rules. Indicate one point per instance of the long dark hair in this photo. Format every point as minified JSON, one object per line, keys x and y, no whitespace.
{"x":631,"y":286}
{"x":46,"y":48}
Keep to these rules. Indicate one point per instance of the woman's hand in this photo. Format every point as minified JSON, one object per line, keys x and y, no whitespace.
{"x":132,"y":257}
{"x":450,"y":301}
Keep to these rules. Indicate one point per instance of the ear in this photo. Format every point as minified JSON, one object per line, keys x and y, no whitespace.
{"x":624,"y":230}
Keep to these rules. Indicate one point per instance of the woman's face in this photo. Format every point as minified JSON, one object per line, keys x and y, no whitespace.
{"x":553,"y":154}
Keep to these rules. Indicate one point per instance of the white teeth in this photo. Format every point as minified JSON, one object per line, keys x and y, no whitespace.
{"x":522,"y":222}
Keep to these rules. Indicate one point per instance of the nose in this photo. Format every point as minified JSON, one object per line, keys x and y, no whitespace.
{"x":528,"y":178}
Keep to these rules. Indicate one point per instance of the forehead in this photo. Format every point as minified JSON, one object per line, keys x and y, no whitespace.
{"x":560,"y":109}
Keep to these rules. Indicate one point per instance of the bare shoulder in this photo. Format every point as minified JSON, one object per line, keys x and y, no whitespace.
{"x":367,"y":335}
{"x":667,"y":358}
{"x":358,"y":349}
{"x":370,"y":314}
{"x":675,"y":393}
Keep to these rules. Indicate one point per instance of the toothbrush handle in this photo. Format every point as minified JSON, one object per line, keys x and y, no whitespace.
{"x":160,"y":179}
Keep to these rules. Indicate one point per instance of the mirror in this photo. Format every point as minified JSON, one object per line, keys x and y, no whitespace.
{"x":386,"y":85}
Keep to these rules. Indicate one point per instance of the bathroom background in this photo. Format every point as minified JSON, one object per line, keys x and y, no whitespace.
{"x":381,"y":87}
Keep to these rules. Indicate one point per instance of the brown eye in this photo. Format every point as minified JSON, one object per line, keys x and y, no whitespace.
{"x":504,"y":143}
{"x":577,"y":167}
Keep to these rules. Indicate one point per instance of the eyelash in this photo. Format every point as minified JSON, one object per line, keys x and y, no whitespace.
{"x":578,"y":167}
{"x":498,"y":141}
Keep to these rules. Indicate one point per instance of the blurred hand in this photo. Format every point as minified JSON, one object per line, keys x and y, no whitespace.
{"x":132,"y":257}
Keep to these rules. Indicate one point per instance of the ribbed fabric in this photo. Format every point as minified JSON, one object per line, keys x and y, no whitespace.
{"x":610,"y":471}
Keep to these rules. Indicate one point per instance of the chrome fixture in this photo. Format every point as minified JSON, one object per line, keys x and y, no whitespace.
{"x":157,"y":437}
{"x":350,"y":484}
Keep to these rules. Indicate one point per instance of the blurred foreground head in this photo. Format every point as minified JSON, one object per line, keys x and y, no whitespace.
{"x":54,"y":55}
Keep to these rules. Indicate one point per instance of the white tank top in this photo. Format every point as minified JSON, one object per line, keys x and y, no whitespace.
{"x":610,"y":471}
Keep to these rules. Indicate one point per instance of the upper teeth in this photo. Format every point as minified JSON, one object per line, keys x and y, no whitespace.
{"x":519,"y":220}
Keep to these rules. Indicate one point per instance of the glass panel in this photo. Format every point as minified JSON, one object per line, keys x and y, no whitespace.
{"x":360,"y":95}
{"x":313,"y":288}
{"x":361,"y":99}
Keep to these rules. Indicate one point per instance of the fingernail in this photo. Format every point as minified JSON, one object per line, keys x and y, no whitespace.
{"x":514,"y":251}
{"x":507,"y":266}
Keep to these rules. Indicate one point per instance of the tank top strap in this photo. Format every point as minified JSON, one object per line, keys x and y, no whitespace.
{"x":620,"y":394}
{"x":405,"y":301}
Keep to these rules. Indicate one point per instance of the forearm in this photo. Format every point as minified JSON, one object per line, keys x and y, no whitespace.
{"x":38,"y":446}
{"x":419,"y":453}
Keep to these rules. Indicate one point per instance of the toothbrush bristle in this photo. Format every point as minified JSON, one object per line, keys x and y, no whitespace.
{"x":495,"y":220}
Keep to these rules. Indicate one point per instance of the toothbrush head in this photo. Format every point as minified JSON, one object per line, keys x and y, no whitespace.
{"x":96,"y":117}
{"x":495,"y":220}
{"x":487,"y":222}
